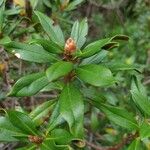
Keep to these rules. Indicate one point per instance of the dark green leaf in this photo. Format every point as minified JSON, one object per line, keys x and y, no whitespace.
{"x":72,"y":5}
{"x":31,"y":147}
{"x":120,"y":37}
{"x":53,"y":31}
{"x":96,"y":75}
{"x":95,"y":59}
{"x":8,"y":132}
{"x":72,"y":109}
{"x":58,"y":70}
{"x":42,"y":112}
{"x":22,"y":121}
{"x":117,"y":66}
{"x":58,"y":85}
{"x":2,"y":8}
{"x":50,"y":145}
{"x":49,"y":46}
{"x":5,"y":40}
{"x":61,"y":136}
{"x":135,"y":145}
{"x":144,"y":130}
{"x":79,"y":32}
{"x":29,"y":85}
{"x":33,"y":53}
{"x":119,"y":116}
{"x":93,"y":48}
{"x":141,"y":101}
{"x":110,"y":45}
{"x":56,"y":118}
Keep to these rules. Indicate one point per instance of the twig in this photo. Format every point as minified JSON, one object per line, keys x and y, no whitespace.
{"x":124,"y":141}
{"x":95,"y":146}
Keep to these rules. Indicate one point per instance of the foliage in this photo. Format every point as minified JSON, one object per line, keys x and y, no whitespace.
{"x":82,"y":75}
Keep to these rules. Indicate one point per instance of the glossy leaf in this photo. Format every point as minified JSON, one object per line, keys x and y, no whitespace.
{"x":95,"y":47}
{"x":58,"y":85}
{"x":144,"y":130}
{"x":139,"y":96}
{"x":120,"y":37}
{"x":49,"y":46}
{"x":22,"y":121}
{"x":96,"y":75}
{"x":58,"y":70}
{"x":8,"y":132}
{"x":42,"y":112}
{"x":79,"y":32}
{"x":141,"y":101}
{"x":30,"y":147}
{"x":135,"y":145}
{"x":61,"y":136}
{"x":7,"y":136}
{"x":2,"y":8}
{"x":29,"y":85}
{"x":106,"y":44}
{"x":72,"y":5}
{"x":117,"y":66}
{"x":56,"y":118}
{"x":50,"y":144}
{"x":33,"y":53}
{"x":95,"y":59}
{"x":119,"y":116}
{"x":72,"y":109}
{"x":5,"y":40}
{"x":53,"y":31}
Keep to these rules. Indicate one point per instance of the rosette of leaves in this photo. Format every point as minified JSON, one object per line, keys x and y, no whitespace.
{"x":59,"y":123}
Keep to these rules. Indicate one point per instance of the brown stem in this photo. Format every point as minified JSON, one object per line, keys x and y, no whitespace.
{"x":118,"y":146}
{"x":124,"y":141}
{"x":94,"y":146}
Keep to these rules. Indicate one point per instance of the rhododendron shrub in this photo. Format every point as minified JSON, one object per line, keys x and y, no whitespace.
{"x":72,"y":68}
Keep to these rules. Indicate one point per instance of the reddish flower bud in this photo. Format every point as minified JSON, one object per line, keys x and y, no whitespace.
{"x":70,"y":46}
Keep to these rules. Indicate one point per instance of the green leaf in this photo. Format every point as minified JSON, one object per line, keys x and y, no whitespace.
{"x":4,"y":40}
{"x":137,"y":86}
{"x":135,"y":145}
{"x":7,"y":136}
{"x":22,"y":121}
{"x":79,"y":32}
{"x":58,"y":85}
{"x":2,"y":8}
{"x":50,"y":144}
{"x":72,"y":109}
{"x":96,"y":75}
{"x":41,"y":112}
{"x":119,"y":66}
{"x":139,"y":96}
{"x":33,"y":53}
{"x":30,"y":147}
{"x":29,"y":85}
{"x":58,"y":70}
{"x":141,"y":101}
{"x":144,"y":130}
{"x":72,"y":5}
{"x":95,"y":59}
{"x":53,"y":31}
{"x":56,"y":118}
{"x":12,"y":11}
{"x":95,"y":123}
{"x":119,"y":116}
{"x":120,"y":37}
{"x":61,"y":136}
{"x":49,"y":46}
{"x":95,"y":47}
{"x":8,"y":132}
